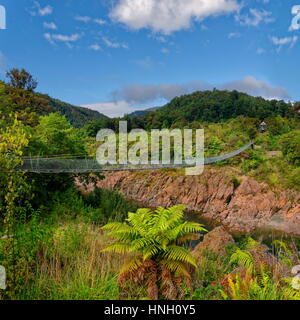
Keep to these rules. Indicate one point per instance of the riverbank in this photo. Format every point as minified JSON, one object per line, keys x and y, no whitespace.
{"x":219,"y":196}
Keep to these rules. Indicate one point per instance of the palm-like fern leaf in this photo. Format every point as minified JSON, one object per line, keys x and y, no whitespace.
{"x":119,"y":247}
{"x":154,"y":238}
{"x":177,"y":253}
{"x":243,"y":259}
{"x":176,"y":267}
{"x":132,"y":265}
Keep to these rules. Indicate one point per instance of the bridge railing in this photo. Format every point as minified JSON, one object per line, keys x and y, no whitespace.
{"x":57,"y":165}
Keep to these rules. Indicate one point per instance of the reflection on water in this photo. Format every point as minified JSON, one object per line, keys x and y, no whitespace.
{"x":266,"y":234}
{"x":196,"y":217}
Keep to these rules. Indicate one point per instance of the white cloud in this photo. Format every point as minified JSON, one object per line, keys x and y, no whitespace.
{"x":257,"y":87}
{"x":95,"y":47}
{"x":234,"y":35}
{"x":87,"y":19}
{"x":41,"y":11}
{"x":285,"y":41}
{"x":50,"y":25}
{"x":126,"y":98}
{"x":62,"y":38}
{"x":140,"y":94}
{"x":168,"y":16}
{"x":111,"y":44}
{"x":254,"y":17}
{"x":99,"y":21}
{"x":111,"y":109}
{"x":260,"y":51}
{"x":165,"y":50}
{"x":45,"y":11}
{"x":145,"y":63}
{"x":84,"y":19}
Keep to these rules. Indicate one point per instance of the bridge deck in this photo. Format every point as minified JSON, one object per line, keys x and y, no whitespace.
{"x":56,"y":165}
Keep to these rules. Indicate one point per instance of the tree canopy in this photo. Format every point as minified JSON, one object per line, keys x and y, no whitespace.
{"x":21,"y":79}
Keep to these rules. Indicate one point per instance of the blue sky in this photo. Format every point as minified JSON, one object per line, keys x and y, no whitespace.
{"x":117,"y":56}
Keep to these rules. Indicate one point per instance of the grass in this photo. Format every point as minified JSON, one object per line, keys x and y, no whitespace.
{"x":74,"y":267}
{"x":65,"y":261}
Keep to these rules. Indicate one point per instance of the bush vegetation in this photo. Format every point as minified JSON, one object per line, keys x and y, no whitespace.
{"x":51,"y":241}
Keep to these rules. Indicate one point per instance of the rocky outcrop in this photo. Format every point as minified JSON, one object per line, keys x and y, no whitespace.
{"x":215,"y":241}
{"x":219,"y":239}
{"x":243,"y":207}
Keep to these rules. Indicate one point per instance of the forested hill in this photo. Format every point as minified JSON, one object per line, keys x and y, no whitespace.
{"x":142,"y":112}
{"x":77,"y":116}
{"x":213,"y":106}
{"x":26,"y":101}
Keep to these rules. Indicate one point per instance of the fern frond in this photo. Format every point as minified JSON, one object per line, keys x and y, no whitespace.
{"x":142,"y":243}
{"x":150,"y":252}
{"x":118,"y":247}
{"x":179,"y":254}
{"x":114,"y":226}
{"x":176,"y":214}
{"x":243,"y":259}
{"x":132,"y":265}
{"x":184,"y":228}
{"x":177,"y":267}
{"x":251,"y":243}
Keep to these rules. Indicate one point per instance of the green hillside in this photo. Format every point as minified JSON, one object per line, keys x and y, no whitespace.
{"x":28,"y":102}
{"x":142,"y":112}
{"x":212,"y":106}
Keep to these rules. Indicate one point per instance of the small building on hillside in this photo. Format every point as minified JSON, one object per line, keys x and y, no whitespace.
{"x":263,"y":127}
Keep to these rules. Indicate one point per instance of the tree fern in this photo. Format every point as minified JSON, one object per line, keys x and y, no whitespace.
{"x":155,"y":238}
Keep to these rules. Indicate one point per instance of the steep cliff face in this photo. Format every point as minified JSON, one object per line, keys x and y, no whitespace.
{"x":243,"y":207}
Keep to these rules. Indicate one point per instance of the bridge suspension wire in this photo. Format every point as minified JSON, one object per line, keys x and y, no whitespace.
{"x":58,"y":165}
{"x":80,"y":155}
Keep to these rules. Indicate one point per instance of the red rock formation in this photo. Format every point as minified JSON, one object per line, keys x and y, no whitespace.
{"x":215,"y":241}
{"x":245,"y":209}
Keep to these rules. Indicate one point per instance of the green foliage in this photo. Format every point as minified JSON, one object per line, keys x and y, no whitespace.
{"x":71,"y":266}
{"x":212,"y":106}
{"x":108,"y":206}
{"x":97,"y":207}
{"x":243,"y":259}
{"x":54,"y":135}
{"x":29,"y":105}
{"x":236,"y":182}
{"x":250,"y":288}
{"x":214,"y":147}
{"x":14,"y":193}
{"x":279,"y":125}
{"x":290,"y":146}
{"x":77,"y":116}
{"x":210,"y":292}
{"x":92,"y":127}
{"x":294,"y":179}
{"x":253,"y":161}
{"x":155,"y":238}
{"x":13,"y":139}
{"x":21,"y":79}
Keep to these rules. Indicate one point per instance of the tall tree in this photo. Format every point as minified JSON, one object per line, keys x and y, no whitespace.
{"x":21,"y":79}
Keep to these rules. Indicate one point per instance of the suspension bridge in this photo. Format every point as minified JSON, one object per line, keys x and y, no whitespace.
{"x":56,"y":164}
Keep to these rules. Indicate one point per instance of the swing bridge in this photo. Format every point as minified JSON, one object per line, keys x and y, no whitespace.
{"x":79,"y":164}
